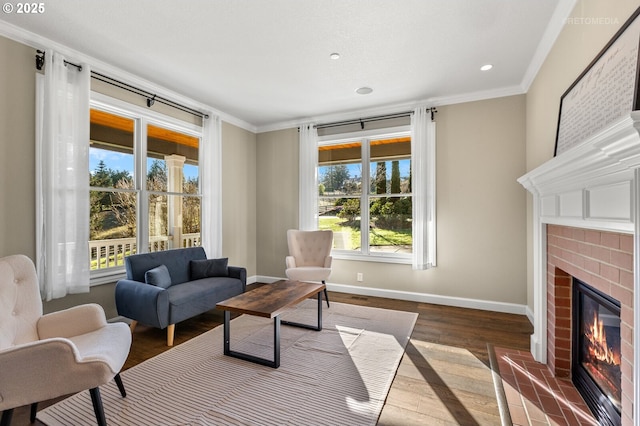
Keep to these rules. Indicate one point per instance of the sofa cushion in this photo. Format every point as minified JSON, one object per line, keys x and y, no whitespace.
{"x":158,"y":276}
{"x":209,"y":268}
{"x":195,"y":297}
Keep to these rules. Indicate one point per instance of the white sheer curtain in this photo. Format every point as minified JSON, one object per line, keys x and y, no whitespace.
{"x":423,"y":182}
{"x":308,"y":199}
{"x":62,"y":181}
{"x":211,"y":186}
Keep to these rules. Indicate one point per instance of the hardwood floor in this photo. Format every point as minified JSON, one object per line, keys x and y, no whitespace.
{"x":444,"y":377}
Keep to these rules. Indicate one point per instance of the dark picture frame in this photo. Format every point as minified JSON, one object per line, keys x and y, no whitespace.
{"x":606,"y":91}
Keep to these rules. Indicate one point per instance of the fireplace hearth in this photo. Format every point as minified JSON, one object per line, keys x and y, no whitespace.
{"x":596,"y":352}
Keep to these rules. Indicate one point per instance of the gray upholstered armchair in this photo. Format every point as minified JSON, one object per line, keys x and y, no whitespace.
{"x":47,"y":356}
{"x":309,"y":256}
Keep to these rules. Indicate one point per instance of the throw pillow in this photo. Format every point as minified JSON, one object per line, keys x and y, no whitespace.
{"x":158,"y":276}
{"x":209,"y":268}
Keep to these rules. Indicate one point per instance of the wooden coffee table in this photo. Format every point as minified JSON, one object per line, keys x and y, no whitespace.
{"x":270,"y":301}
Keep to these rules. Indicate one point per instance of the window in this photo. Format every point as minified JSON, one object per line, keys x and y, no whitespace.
{"x":113,"y":202}
{"x":365,"y":194}
{"x":172,"y":189}
{"x":144,"y":185}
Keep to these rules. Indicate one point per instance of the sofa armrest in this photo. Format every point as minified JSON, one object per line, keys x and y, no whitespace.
{"x":239,"y":273}
{"x":142,"y":302}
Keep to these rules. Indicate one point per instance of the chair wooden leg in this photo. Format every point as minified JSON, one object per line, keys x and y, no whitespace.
{"x":96,"y":400}
{"x":170,"y":332}
{"x":6,"y":417}
{"x":133,"y":324}
{"x":34,"y":411}
{"x":118,"y":381}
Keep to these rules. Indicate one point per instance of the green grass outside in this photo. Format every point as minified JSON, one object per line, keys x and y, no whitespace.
{"x":379,"y":236}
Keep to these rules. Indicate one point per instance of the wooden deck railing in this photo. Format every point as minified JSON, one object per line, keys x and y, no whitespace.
{"x":111,"y":253}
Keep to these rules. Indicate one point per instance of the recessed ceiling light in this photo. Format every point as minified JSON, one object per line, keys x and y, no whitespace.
{"x":364,"y":90}
{"x":486,"y":67}
{"x":334,"y":56}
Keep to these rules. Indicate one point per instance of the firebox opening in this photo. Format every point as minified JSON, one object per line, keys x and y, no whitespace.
{"x":596,"y":355}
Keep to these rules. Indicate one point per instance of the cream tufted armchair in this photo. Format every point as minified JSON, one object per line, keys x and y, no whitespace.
{"x":47,"y":356}
{"x":309,"y":256}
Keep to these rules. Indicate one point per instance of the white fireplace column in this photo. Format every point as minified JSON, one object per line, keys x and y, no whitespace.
{"x":175,"y":175}
{"x":594,"y":185}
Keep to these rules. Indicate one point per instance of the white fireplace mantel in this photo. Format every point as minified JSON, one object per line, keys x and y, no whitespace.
{"x":591,"y":185}
{"x":594,"y":185}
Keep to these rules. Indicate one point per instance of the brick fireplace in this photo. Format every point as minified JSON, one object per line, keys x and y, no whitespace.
{"x":586,"y":224}
{"x":604,"y":260}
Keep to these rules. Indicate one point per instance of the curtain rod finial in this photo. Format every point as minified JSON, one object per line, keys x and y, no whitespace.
{"x":39,"y":59}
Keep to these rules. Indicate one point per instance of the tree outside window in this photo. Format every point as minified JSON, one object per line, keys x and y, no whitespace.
{"x":375,"y":221}
{"x":168,"y":197}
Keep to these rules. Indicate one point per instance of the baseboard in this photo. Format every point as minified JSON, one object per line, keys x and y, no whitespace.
{"x":119,"y":318}
{"x":266,"y":279}
{"x":530,"y":315}
{"x":460,"y":302}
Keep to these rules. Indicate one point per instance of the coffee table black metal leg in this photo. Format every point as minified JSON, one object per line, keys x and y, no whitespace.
{"x":252,"y":358}
{"x":320,"y":311}
{"x":276,"y":337}
{"x":308,"y":326}
{"x":227,"y":317}
{"x":276,"y":342}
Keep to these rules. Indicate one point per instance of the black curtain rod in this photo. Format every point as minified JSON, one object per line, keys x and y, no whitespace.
{"x":40,"y":61}
{"x":79,"y":67}
{"x":361,"y":121}
{"x":151,"y":97}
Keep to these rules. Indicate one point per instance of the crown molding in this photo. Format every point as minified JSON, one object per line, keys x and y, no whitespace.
{"x":36,"y":41}
{"x":395,"y":108}
{"x":551,"y":34}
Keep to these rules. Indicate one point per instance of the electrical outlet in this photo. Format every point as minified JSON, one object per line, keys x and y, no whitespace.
{"x":359,"y":276}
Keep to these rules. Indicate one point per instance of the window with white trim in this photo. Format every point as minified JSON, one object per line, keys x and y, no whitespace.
{"x":144,"y":184}
{"x":365,"y":194}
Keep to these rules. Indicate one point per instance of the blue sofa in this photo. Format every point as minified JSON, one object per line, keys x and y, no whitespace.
{"x":166,"y":287}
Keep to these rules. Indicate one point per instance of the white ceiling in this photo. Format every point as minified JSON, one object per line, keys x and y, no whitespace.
{"x":267,"y":62}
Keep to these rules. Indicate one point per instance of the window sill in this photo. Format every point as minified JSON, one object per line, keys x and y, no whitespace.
{"x":106,"y":277}
{"x":390,"y":258}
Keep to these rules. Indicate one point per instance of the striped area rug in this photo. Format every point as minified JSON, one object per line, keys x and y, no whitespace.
{"x":338,"y":376}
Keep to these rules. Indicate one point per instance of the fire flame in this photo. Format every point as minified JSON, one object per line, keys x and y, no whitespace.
{"x":598,"y":339}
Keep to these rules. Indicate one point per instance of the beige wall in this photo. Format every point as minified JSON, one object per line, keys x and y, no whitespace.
{"x":239,"y":197}
{"x":277,"y":198}
{"x":17,"y":177}
{"x":17,"y":149}
{"x":578,"y":44}
{"x":480,"y":207}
